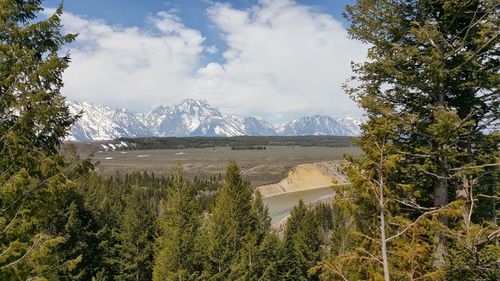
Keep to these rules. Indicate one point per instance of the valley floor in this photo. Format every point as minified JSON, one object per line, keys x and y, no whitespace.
{"x":258,"y":166}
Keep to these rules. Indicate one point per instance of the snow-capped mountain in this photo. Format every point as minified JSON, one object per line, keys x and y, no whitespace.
{"x":99,"y":122}
{"x":193,"y":118}
{"x":186,"y":117}
{"x":220,"y":126}
{"x":352,"y":125}
{"x":153,"y":119}
{"x":257,"y":127}
{"x":317,"y":125}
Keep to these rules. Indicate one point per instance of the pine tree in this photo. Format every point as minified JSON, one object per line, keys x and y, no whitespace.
{"x":270,"y":256}
{"x":253,"y":259}
{"x":133,"y":252}
{"x":232,"y":222}
{"x":302,"y":244}
{"x":371,"y":192}
{"x":432,"y":68}
{"x":76,"y":224}
{"x":175,"y":255}
{"x":33,"y":120}
{"x":262,"y":218}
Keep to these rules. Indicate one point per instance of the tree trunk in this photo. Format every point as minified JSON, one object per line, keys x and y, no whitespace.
{"x":440,"y":200}
{"x":441,"y":187}
{"x":385,"y":261}
{"x":383,"y":242}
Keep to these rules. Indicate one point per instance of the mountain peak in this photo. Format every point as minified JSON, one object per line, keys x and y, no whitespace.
{"x":192,"y":117}
{"x":195,"y":102}
{"x":197,"y":107}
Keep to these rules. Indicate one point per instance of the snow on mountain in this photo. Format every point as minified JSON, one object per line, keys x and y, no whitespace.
{"x":99,"y":122}
{"x":352,"y":125}
{"x":279,"y":128}
{"x":186,"y":117}
{"x":193,"y":118}
{"x":317,"y":125}
{"x":257,"y":127}
{"x":228,"y":126}
{"x":154,"y":118}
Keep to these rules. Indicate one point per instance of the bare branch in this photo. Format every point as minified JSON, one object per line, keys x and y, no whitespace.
{"x":414,"y":205}
{"x":416,"y":221}
{"x":488,"y":196}
{"x":476,"y":167}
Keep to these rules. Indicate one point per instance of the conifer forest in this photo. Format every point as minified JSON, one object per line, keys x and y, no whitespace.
{"x":421,"y":203}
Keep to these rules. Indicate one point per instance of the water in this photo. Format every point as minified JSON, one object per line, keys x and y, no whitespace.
{"x":281,"y":205}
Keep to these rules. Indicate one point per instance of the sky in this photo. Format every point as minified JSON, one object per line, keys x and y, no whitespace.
{"x":274,"y":59}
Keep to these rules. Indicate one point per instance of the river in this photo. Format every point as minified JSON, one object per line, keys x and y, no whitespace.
{"x":281,"y":205}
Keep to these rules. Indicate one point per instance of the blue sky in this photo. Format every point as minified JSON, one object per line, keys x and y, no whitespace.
{"x":133,"y":12}
{"x":211,"y":45}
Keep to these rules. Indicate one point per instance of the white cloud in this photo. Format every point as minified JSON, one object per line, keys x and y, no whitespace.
{"x":212,"y":49}
{"x":283,"y":60}
{"x":132,"y":67}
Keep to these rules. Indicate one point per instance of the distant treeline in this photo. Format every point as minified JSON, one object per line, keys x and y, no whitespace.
{"x":238,"y":142}
{"x":249,"y":147}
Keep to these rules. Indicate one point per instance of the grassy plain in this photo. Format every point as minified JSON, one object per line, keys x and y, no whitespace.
{"x":258,"y":166}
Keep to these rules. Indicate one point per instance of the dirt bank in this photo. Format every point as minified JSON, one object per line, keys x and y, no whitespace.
{"x":307,"y":177}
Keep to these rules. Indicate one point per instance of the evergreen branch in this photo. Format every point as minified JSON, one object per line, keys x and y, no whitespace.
{"x":367,"y":237}
{"x":469,"y":27}
{"x":50,"y":269}
{"x":471,"y":24}
{"x":371,"y":256}
{"x":414,"y":154}
{"x":416,"y":221}
{"x":30,"y":249}
{"x":14,"y":162}
{"x":13,"y":219}
{"x":8,"y":248}
{"x":332,"y":267}
{"x":71,"y":166}
{"x":492,"y":39}
{"x":476,"y":179}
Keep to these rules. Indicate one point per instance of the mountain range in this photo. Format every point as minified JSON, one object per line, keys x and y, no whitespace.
{"x":193,"y":118}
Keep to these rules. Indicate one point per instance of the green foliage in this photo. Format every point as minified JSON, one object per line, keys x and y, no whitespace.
{"x":133,"y":255}
{"x":34,"y":177}
{"x":176,"y":257}
{"x":430,"y":92}
{"x":76,"y":224}
{"x":231,"y":221}
{"x":302,"y":244}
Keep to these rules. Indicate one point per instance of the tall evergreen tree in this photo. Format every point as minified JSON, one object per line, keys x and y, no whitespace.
{"x":262,"y":218}
{"x":81,"y":240}
{"x":175,"y":255}
{"x":369,"y":201}
{"x":254,"y":259}
{"x":302,"y":244}
{"x":433,"y":65}
{"x":33,"y":120}
{"x":232,"y":222}
{"x":133,"y":251}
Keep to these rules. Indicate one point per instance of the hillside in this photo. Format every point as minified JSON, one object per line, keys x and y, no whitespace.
{"x":307,"y":177}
